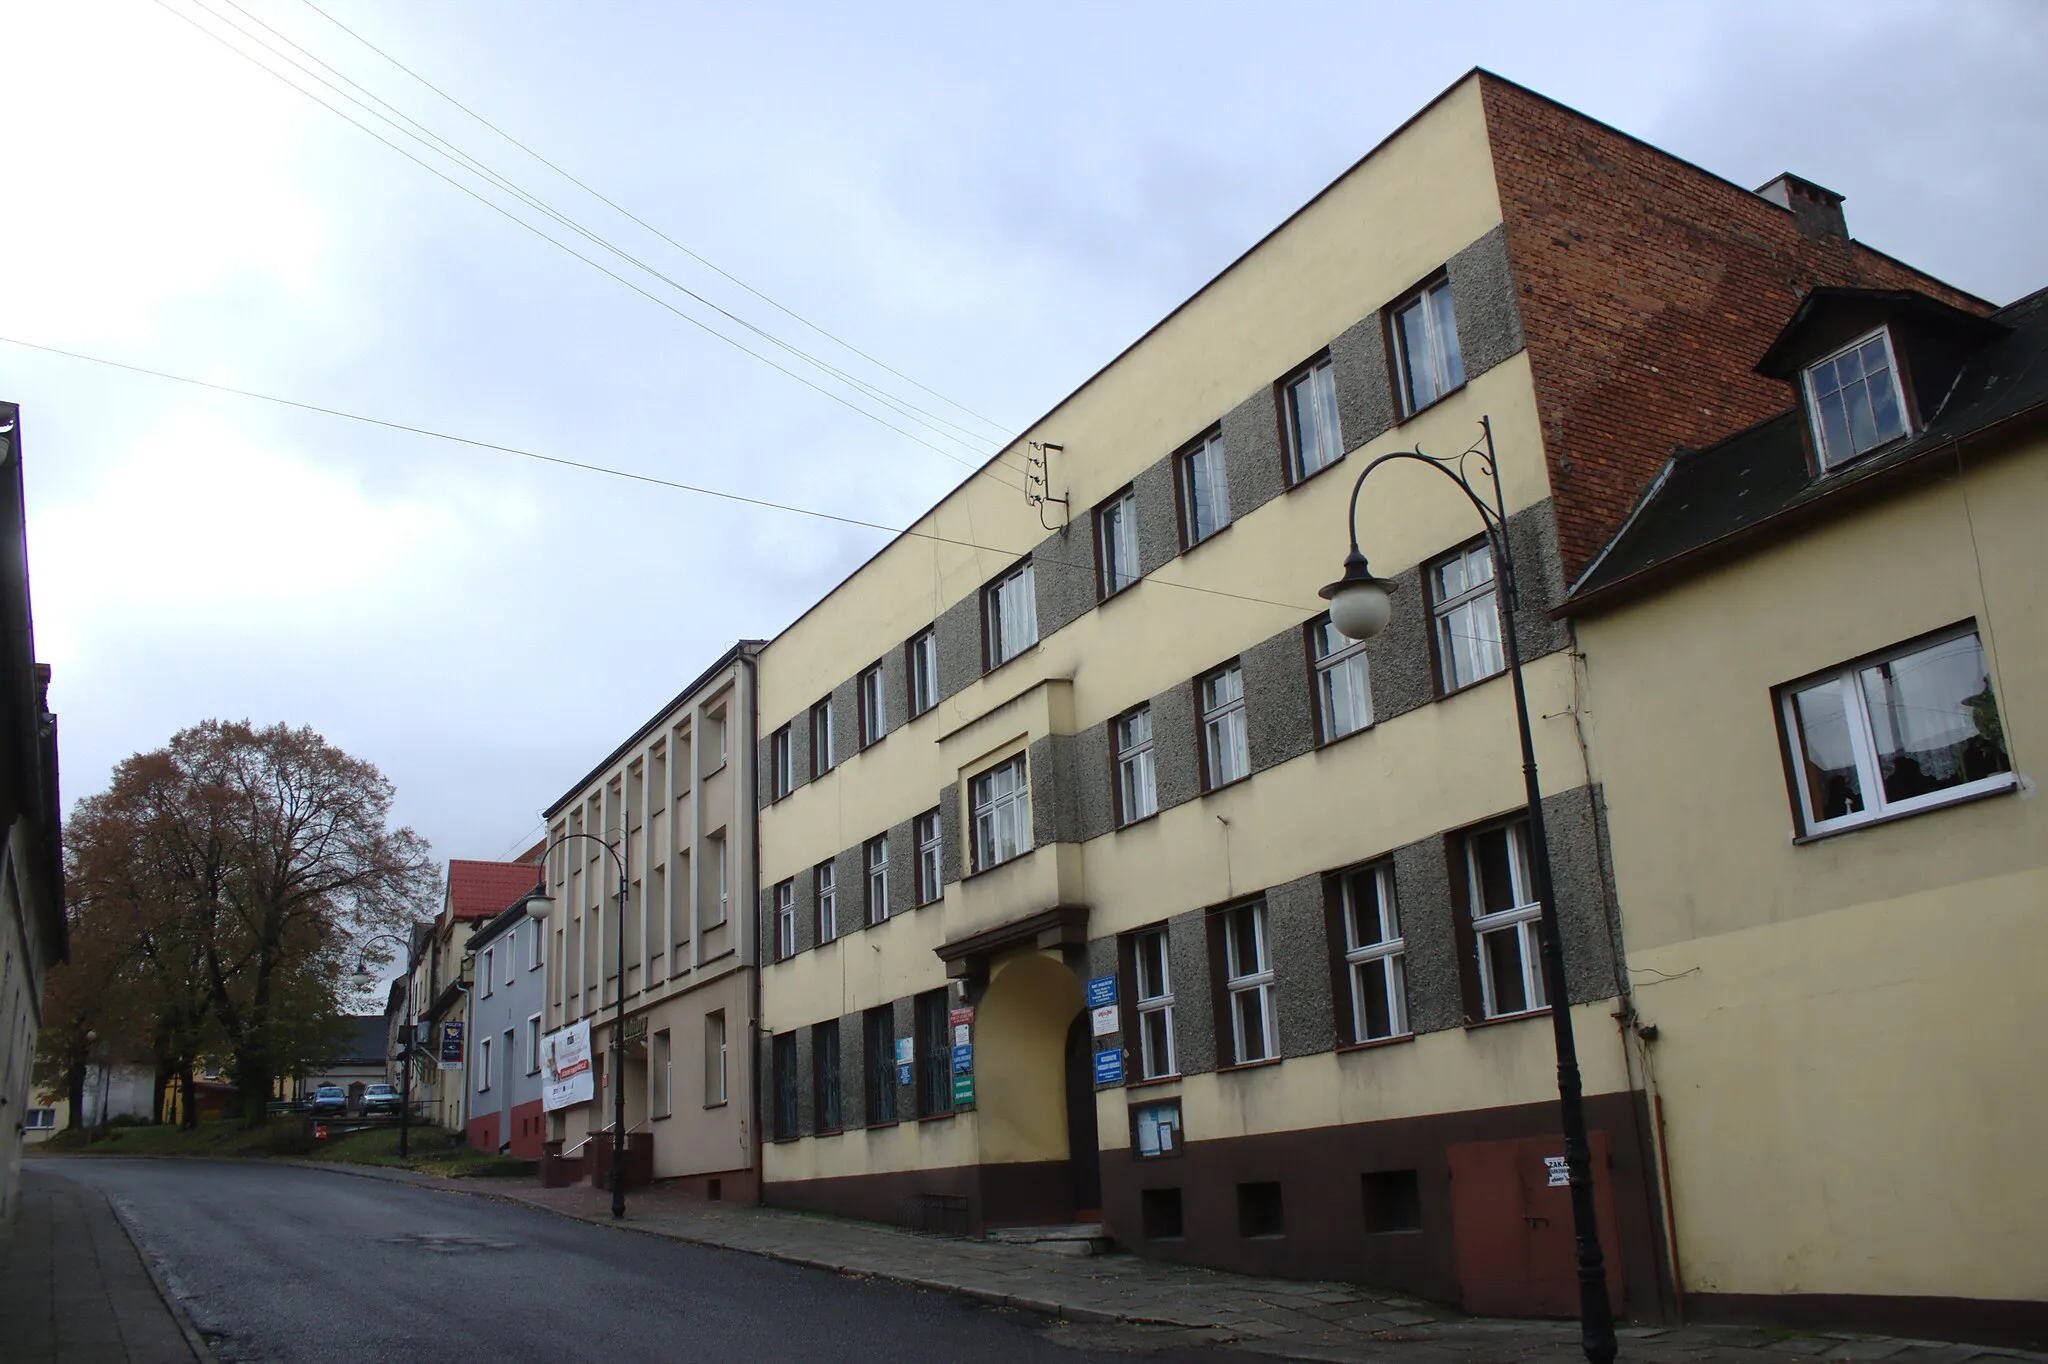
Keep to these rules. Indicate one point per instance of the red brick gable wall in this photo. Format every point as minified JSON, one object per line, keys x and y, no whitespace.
{"x":1648,"y":289}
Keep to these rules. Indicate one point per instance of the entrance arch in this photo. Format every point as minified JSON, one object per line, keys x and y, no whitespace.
{"x":1021,"y":1041}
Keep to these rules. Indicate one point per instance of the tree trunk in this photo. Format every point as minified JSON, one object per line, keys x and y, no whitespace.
{"x":188,"y":1110}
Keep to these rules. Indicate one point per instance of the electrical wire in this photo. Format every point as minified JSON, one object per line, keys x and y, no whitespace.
{"x":628,"y":213}
{"x":610,"y":472}
{"x":565,"y":247}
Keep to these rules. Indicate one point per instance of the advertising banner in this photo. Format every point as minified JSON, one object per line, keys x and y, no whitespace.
{"x":565,"y":1067}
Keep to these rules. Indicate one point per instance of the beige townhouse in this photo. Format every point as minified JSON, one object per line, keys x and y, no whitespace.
{"x":673,"y":806}
{"x":1101,"y":881}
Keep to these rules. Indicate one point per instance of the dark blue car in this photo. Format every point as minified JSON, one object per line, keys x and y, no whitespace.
{"x":330,"y":1101}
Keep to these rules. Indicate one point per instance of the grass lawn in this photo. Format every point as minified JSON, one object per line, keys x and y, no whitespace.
{"x":431,"y":1152}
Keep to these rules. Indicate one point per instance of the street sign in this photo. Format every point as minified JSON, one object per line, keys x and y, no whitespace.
{"x":963,"y":1090}
{"x":963,"y":1059}
{"x":1104,"y":1020}
{"x":1109,"y":1066}
{"x":1101,"y":991}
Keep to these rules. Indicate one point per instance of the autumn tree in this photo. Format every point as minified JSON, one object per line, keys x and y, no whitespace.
{"x":243,"y":866}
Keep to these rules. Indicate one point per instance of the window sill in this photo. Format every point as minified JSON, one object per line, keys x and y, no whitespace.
{"x":1376,"y":1043}
{"x":1189,"y":548}
{"x":1105,"y":598}
{"x":937,"y":1117}
{"x":720,"y":1104}
{"x":785,"y":1141}
{"x":1474,"y":1024}
{"x":1141,"y":819}
{"x":661,"y":1117}
{"x":1305,"y":479}
{"x":1444,"y":693}
{"x":881,"y":1126}
{"x":991,"y":669}
{"x":707,"y":776}
{"x":1323,"y":744}
{"x":1157,"y":1080}
{"x":1234,"y":781}
{"x":998,"y":866}
{"x":1408,"y":415}
{"x":1240,"y":1066}
{"x":830,"y":1132}
{"x":2011,"y":787}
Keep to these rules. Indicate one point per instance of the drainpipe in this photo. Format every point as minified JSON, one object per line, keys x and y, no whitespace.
{"x":753,"y":796}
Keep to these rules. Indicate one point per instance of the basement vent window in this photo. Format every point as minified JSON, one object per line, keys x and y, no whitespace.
{"x":1159,"y":1214}
{"x":1259,"y":1212}
{"x":1393,"y":1201}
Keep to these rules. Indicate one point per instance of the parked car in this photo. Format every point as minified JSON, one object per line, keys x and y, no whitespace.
{"x":330,"y":1101}
{"x":381,"y":1099}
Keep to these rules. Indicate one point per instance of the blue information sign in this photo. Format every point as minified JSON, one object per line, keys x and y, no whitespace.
{"x":1109,"y":1066}
{"x":963,"y":1059}
{"x":903,"y":1075}
{"x":1101,"y":991}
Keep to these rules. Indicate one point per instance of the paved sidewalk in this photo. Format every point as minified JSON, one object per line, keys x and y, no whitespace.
{"x":73,"y":1287}
{"x":1125,"y":1302}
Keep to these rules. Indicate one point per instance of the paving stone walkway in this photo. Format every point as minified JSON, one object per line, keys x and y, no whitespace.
{"x":73,"y":1287}
{"x":1124,"y":1302}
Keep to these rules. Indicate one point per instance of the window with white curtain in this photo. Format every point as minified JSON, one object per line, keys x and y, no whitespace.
{"x":1010,"y":611}
{"x":1001,"y":801}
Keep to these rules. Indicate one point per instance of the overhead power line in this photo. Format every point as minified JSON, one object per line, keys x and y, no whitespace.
{"x":598,"y":195}
{"x":570,"y":250}
{"x":608,"y":471}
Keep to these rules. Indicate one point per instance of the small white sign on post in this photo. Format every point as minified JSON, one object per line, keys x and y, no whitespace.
{"x":961,"y":1035}
{"x":1104,"y":1020}
{"x":1560,"y":1173}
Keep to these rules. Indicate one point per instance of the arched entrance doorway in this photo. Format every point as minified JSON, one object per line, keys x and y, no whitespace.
{"x":1037,"y":1132}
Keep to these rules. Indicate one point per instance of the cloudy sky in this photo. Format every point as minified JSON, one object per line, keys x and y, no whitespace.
{"x":990,"y":200}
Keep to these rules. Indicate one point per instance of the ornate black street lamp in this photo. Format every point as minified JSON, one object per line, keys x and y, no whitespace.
{"x":539,"y":905}
{"x":1360,"y":608}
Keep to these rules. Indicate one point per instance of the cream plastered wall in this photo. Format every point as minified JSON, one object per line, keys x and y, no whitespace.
{"x":695,"y":1139}
{"x":1456,"y":1071}
{"x":1847,"y":1049}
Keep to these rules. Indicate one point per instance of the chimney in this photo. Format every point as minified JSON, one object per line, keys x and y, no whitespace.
{"x":1818,"y":210}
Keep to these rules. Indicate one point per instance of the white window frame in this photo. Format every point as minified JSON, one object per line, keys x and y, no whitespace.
{"x":1318,"y":383}
{"x":1242,"y":978}
{"x":1154,"y":1000}
{"x":1360,"y":955}
{"x":781,"y":763}
{"x":1000,"y":815}
{"x":785,"y":920}
{"x":715,"y":1041}
{"x":825,"y":901}
{"x":874,"y":706}
{"x":923,"y":679}
{"x":1829,"y":459}
{"x":1116,"y":543}
{"x":41,"y":1119}
{"x":512,"y":954}
{"x":536,"y":946}
{"x":1523,"y":918}
{"x":1223,"y":726}
{"x":1442,"y":364}
{"x":1204,"y":476}
{"x":488,"y":963}
{"x":1137,"y":776}
{"x":661,"y":1091}
{"x":715,"y":721}
{"x":1010,"y":614}
{"x":823,"y":758}
{"x":1863,"y":741}
{"x":930,"y":832}
{"x":483,"y":1065}
{"x":724,"y":879}
{"x":1465,"y":607}
{"x":533,"y":1044}
{"x":1343,"y":680}
{"x":874,"y":858}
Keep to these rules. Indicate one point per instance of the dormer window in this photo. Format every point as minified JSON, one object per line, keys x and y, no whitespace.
{"x":1854,"y":399}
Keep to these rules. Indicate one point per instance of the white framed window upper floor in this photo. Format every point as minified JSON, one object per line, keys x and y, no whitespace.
{"x":874,"y":711}
{"x":921,"y":660}
{"x":1894,"y":733}
{"x":825,"y":900}
{"x":1374,"y":954}
{"x":929,"y":835}
{"x":1427,"y":361}
{"x":1202,"y":486}
{"x":1137,"y":787}
{"x":781,"y":764}
{"x":1248,"y":984}
{"x":1116,"y":544}
{"x":1505,"y":918}
{"x":1855,"y":401}
{"x":1343,"y":686}
{"x":1009,"y":613}
{"x":785,"y":920}
{"x":1152,"y":981}
{"x":1464,"y":600}
{"x":823,"y":759}
{"x":1309,"y":414}
{"x":1000,"y":802}
{"x":1226,"y":752}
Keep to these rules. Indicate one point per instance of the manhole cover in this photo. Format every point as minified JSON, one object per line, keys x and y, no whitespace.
{"x":446,"y":1242}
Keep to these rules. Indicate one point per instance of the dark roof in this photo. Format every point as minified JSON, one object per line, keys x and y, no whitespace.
{"x":1783,"y":360}
{"x":1707,"y":504}
{"x":364,"y":1040}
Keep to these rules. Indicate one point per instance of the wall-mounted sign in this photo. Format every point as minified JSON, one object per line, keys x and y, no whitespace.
{"x":962,"y":1034}
{"x":963,"y":1059}
{"x":963,"y":1090}
{"x":565,"y":1067}
{"x":1101,"y":991}
{"x":962,"y":1016}
{"x":1103,"y":1020}
{"x":1109,"y":1066}
{"x":1155,"y":1127}
{"x":903,"y":1075}
{"x":904,"y":1053}
{"x":1560,"y":1173}
{"x":451,"y":1044}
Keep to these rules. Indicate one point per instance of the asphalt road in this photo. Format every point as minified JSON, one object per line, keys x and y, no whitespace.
{"x":287,"y":1264}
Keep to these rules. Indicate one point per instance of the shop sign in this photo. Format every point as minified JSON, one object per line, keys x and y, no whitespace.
{"x":451,"y":1044}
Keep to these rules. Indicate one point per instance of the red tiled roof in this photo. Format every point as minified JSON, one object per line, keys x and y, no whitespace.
{"x":482,"y":890}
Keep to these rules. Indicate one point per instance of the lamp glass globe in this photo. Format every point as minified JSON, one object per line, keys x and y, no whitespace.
{"x":1361,"y":610}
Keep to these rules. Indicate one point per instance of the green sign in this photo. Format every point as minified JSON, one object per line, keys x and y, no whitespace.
{"x":963,"y":1090}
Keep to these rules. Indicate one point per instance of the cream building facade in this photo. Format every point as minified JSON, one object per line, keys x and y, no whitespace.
{"x":681,"y":790}
{"x":1100,"y":881}
{"x":1818,"y":691}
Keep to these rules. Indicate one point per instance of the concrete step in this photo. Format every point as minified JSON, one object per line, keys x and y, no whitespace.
{"x":1075,"y":1239}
